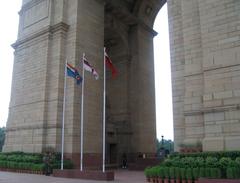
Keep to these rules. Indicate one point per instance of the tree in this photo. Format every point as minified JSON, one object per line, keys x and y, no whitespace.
{"x":2,"y":137}
{"x":165,"y":146}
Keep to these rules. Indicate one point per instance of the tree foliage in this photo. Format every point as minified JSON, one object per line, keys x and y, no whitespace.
{"x":165,"y":145}
{"x":2,"y":137}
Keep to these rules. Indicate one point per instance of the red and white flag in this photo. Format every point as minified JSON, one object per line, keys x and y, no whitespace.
{"x":88,"y":67}
{"x":110,"y":64}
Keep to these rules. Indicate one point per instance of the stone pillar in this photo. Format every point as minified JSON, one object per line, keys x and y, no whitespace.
{"x":193,"y":74}
{"x":27,"y":122}
{"x":221,"y":47}
{"x":87,"y":36}
{"x":204,"y":38}
{"x":142,"y":90}
{"x":49,"y":33}
{"x":177,"y":69}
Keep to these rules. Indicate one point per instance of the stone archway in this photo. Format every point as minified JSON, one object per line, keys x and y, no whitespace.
{"x":204,"y":58}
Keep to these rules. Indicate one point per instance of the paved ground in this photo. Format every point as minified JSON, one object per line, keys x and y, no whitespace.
{"x":121,"y":176}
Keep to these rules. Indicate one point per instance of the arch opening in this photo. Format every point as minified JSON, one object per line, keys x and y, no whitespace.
{"x":163,"y":88}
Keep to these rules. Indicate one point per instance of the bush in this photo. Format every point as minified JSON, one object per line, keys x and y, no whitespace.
{"x":224,"y":162}
{"x":189,"y":175}
{"x":237,"y":160}
{"x":30,"y":161}
{"x":37,"y":167}
{"x":201,"y":172}
{"x":208,"y":172}
{"x":218,"y":155}
{"x":208,"y":164}
{"x":177,"y":173}
{"x":230,"y":173}
{"x":166,"y":172}
{"x":183,"y":173}
{"x":3,"y":157}
{"x":176,"y":162}
{"x":195,"y":172}
{"x":172,"y":173}
{"x":161,"y":172}
{"x":211,"y":162}
{"x":188,"y":162}
{"x":147,"y":172}
{"x":3,"y":164}
{"x":167,"y":162}
{"x":199,"y":162}
{"x":215,"y":173}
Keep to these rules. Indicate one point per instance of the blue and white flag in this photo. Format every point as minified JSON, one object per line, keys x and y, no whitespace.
{"x":73,"y":72}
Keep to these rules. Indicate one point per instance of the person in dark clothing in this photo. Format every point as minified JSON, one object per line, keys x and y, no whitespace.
{"x":47,"y":166}
{"x":124,"y":160}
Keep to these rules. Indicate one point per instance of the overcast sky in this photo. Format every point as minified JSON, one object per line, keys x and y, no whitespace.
{"x":8,"y":35}
{"x":163,"y":76}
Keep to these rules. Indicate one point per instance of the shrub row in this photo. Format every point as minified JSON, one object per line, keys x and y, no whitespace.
{"x":193,"y":162}
{"x":191,"y":173}
{"x":218,"y":155}
{"x":31,"y":161}
{"x":191,"y":166}
{"x":21,"y":158}
{"x":21,"y":166}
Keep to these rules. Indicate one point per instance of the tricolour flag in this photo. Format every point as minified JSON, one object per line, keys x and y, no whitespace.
{"x":73,"y":72}
{"x":110,"y":64}
{"x":90,"y":68}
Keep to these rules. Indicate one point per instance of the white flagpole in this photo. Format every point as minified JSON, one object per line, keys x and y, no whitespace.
{"x":81,"y":140}
{"x":104,"y":101}
{"x":63,"y":116}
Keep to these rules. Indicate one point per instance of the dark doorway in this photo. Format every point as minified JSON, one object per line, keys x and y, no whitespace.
{"x":113,"y":153}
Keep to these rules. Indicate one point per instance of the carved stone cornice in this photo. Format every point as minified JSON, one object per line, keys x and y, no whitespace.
{"x":130,"y":19}
{"x":221,"y":109}
{"x":148,"y":29}
{"x":63,"y":27}
{"x":49,"y":30}
{"x":33,"y":127}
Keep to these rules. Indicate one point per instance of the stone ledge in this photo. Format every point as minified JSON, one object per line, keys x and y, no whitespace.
{"x":46,"y":31}
{"x":205,"y":110}
{"x":86,"y":174}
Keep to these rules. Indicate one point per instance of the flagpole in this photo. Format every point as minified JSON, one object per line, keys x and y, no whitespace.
{"x":104,"y":101}
{"x":63,"y":116}
{"x":81,"y":140}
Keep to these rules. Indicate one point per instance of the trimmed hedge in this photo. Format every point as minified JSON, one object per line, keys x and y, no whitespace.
{"x":192,"y":166}
{"x":218,"y":155}
{"x":31,"y":161}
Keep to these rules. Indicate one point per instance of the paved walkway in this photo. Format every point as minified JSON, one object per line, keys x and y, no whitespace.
{"x":121,"y":176}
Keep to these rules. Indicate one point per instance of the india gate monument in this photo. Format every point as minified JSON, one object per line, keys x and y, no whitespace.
{"x":205,"y":66}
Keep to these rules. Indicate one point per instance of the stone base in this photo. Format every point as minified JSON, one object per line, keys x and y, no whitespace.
{"x":86,"y":174}
{"x":91,"y":161}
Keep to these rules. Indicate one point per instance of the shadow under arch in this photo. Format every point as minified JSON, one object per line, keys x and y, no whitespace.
{"x":148,"y":10}
{"x":130,"y":107}
{"x":117,"y":117}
